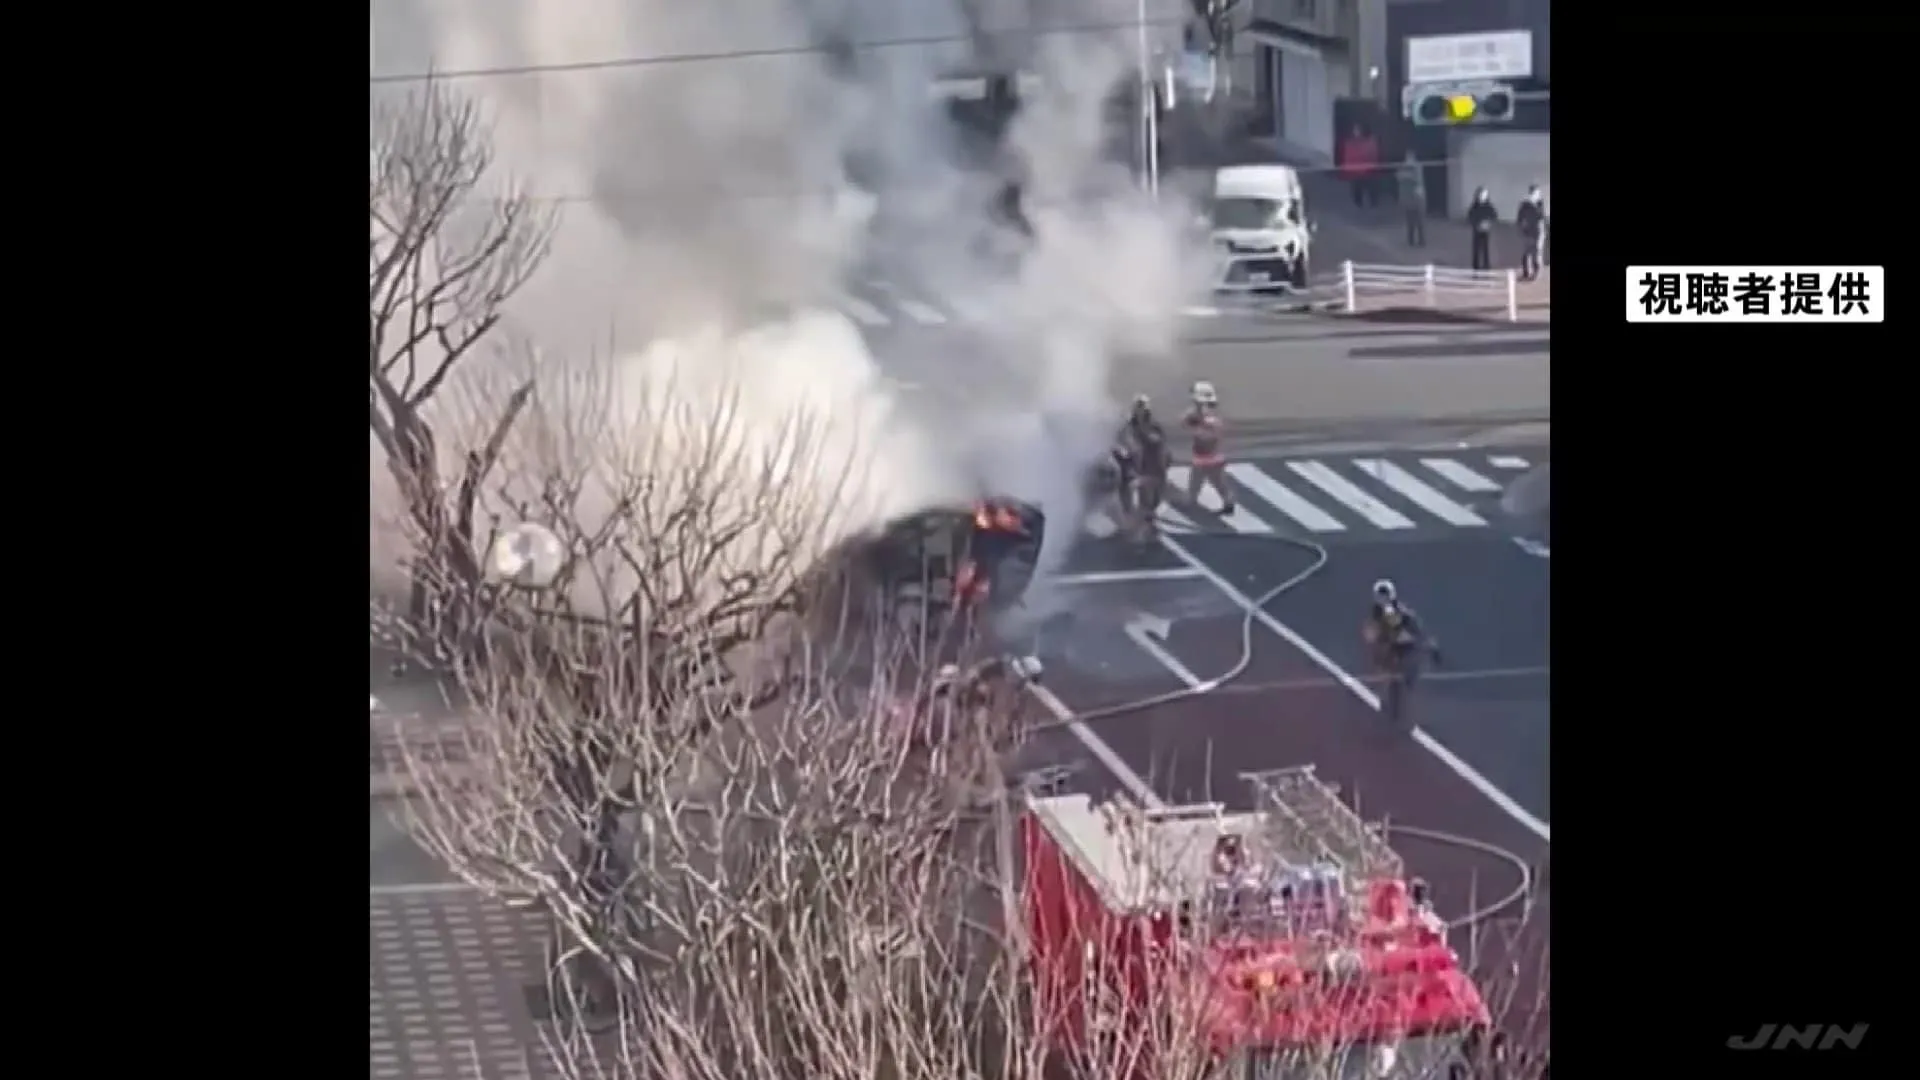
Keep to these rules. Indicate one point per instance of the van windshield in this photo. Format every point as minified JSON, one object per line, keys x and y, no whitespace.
{"x":1244,"y":213}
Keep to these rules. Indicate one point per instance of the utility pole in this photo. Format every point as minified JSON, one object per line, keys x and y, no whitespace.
{"x":1149,"y":104}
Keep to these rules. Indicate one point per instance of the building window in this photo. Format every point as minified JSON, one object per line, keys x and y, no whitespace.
{"x":1306,"y":9}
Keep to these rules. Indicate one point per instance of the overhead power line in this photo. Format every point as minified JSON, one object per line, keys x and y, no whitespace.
{"x":618,"y":63}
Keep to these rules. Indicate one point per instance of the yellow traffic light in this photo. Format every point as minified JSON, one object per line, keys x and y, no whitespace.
{"x":1490,"y":103}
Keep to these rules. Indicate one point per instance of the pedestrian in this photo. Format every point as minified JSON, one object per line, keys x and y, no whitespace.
{"x":1531,"y":219}
{"x":1413,"y":199}
{"x":1481,"y":217}
{"x":1359,"y":157}
{"x":1203,"y":423}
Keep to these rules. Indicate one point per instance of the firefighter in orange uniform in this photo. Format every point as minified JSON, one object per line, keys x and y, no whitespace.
{"x":1203,"y":423}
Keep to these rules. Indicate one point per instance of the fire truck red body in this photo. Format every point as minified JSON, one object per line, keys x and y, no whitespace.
{"x":1245,"y":945}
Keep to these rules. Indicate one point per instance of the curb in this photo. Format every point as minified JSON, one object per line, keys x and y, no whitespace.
{"x":1416,"y":316}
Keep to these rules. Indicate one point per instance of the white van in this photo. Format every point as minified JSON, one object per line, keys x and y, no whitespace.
{"x":1258,"y":219}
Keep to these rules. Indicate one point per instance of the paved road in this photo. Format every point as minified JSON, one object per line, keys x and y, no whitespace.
{"x":1479,"y":769}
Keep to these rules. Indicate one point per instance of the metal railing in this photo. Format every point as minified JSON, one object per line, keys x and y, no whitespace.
{"x":1439,"y":287}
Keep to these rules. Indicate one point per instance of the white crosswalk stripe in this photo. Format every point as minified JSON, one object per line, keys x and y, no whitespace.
{"x":1419,"y":493}
{"x":879,"y":303}
{"x":862,"y":312}
{"x":920,"y":312}
{"x":1375,"y":511}
{"x":1255,"y":479}
{"x":1239,"y":521}
{"x":970,"y":307}
{"x":1459,"y":475}
{"x":1341,"y":497}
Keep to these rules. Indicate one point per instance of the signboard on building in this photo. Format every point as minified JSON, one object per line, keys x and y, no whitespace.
{"x":1466,"y":57}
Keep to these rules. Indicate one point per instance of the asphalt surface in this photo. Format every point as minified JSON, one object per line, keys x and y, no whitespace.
{"x":1478,"y":771}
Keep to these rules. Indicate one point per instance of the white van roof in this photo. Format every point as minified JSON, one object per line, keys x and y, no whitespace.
{"x":1256,"y":182}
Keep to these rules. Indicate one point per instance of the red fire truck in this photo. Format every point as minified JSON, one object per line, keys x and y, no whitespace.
{"x":1275,"y":944}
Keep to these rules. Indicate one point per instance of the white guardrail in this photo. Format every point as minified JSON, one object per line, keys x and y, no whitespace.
{"x":1441,"y":287}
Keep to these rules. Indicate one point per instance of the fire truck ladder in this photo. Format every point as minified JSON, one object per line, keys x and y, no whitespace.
{"x":1306,"y":821}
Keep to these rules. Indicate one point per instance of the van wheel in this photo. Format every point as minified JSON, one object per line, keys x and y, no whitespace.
{"x":1297,"y":275}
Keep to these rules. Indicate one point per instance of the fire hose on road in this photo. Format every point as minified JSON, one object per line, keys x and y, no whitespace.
{"x":1254,"y":613}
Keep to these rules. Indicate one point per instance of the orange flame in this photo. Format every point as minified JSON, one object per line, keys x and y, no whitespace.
{"x":990,"y":518}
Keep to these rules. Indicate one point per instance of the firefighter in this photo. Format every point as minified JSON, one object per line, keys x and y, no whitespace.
{"x":1140,"y":418}
{"x":1126,"y":453}
{"x":1203,"y":423}
{"x":1151,"y":462}
{"x":1124,"y":474}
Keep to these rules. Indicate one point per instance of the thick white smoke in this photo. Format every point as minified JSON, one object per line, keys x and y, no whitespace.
{"x":710,"y":221}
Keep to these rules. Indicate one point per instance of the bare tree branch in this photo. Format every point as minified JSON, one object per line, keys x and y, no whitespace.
{"x":444,"y":256}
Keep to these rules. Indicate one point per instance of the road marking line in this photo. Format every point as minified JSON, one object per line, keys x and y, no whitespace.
{"x":1446,"y":757}
{"x":914,"y":308}
{"x":1459,"y":475}
{"x":1135,"y":784}
{"x":970,"y":309}
{"x":1508,"y":461}
{"x":1239,"y":521}
{"x":1420,"y":494}
{"x":1175,"y":520}
{"x":862,"y":311}
{"x":1200,"y":311}
{"x":1139,"y":636}
{"x":1375,"y":511}
{"x":1284,"y":498}
{"x":1100,"y":525}
{"x":1121,"y":577}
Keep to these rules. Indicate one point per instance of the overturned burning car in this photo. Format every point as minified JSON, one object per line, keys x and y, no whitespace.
{"x":980,"y":557}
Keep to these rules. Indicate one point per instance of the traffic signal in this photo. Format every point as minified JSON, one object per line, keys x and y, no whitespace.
{"x":1456,"y":106}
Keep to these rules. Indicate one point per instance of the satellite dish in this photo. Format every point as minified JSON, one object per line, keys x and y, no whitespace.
{"x":527,"y":555}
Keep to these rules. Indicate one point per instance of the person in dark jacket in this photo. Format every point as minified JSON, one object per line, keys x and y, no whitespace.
{"x":1481,"y":217}
{"x":1413,"y":199}
{"x":1531,"y":219}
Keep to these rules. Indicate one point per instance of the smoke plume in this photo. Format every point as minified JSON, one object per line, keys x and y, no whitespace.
{"x":720,"y":192}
